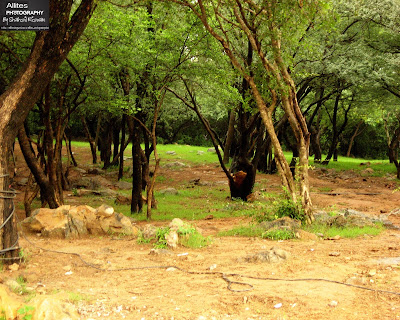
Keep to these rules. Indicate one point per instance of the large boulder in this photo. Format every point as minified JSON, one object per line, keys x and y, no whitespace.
{"x":42,"y":307}
{"x":76,"y":221}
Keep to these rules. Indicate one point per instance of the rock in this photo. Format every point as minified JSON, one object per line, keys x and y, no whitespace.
{"x":358,"y":281}
{"x":9,"y":303}
{"x":175,"y":164}
{"x":123,"y":185}
{"x":149,"y":231}
{"x":337,"y":237}
{"x":200,"y":153}
{"x":304,"y":235}
{"x":47,"y":308}
{"x":160,"y":252}
{"x":74,"y":222}
{"x":172,"y":239}
{"x":123,"y":200}
{"x":172,"y":191}
{"x":337,"y":221}
{"x":13,"y":285}
{"x":176,"y":223}
{"x":43,"y":307}
{"x":14,"y":267}
{"x":333,"y":303}
{"x":281,"y":223}
{"x":334,"y":254}
{"x":368,"y":171}
{"x":108,"y":193}
{"x":105,"y":210}
{"x":273,"y":255}
{"x":171,"y":153}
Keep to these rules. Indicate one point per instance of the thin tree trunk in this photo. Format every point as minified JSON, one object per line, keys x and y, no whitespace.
{"x":47,"y":192}
{"x":230,"y":135}
{"x":353,"y":137}
{"x":137,"y":199}
{"x":122,"y":149}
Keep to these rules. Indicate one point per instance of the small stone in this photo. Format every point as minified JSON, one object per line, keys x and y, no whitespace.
{"x":13,"y":267}
{"x":171,"y":269}
{"x":334,"y":254}
{"x":212,"y":267}
{"x":105,"y":210}
{"x":172,"y":191}
{"x":278,"y":305}
{"x":333,"y":303}
{"x":372,"y":272}
{"x":171,"y":153}
{"x":337,"y":237}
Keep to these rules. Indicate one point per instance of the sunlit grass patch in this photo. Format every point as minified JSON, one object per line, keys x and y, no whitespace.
{"x":344,"y":232}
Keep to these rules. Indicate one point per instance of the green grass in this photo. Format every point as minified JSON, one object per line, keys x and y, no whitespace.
{"x":243,"y":231}
{"x":347,"y":232}
{"x":380,"y":167}
{"x":184,"y":153}
{"x":252,"y":230}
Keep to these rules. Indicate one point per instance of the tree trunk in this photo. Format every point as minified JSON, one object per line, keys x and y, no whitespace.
{"x":47,"y":191}
{"x":8,"y":233}
{"x":353,"y":137}
{"x":394,"y":148}
{"x":229,"y":135}
{"x":122,"y":149}
{"x":137,"y":200}
{"x":93,"y":147}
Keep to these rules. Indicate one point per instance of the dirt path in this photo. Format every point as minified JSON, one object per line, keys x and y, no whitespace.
{"x":152,"y":289}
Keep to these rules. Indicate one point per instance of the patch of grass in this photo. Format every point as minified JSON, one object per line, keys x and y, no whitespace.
{"x":74,"y":297}
{"x":195,"y":241}
{"x":255,"y":231}
{"x":26,"y":312}
{"x":346,"y":232}
{"x":242,"y":231}
{"x":380,"y":167}
{"x":278,"y":234}
{"x":161,"y":242}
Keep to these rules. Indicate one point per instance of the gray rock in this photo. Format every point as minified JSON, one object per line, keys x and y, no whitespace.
{"x":171,"y":153}
{"x":74,"y":222}
{"x":212,"y":150}
{"x":200,"y":153}
{"x":124,"y":185}
{"x":108,"y":193}
{"x":149,"y":231}
{"x":175,"y":164}
{"x":281,"y":223}
{"x":172,"y":191}
{"x":273,"y":255}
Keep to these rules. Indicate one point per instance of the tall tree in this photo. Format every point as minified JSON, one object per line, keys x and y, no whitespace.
{"x":266,"y":24}
{"x":48,"y":51}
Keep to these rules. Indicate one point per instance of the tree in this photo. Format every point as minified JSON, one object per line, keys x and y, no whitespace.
{"x":48,"y":51}
{"x":267,"y":26}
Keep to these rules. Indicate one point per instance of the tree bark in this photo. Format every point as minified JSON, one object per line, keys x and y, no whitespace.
{"x":47,"y":191}
{"x":137,"y":200}
{"x":356,"y":133}
{"x":229,"y":135}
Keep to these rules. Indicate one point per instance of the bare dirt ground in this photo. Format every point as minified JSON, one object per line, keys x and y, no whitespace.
{"x":152,"y":289}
